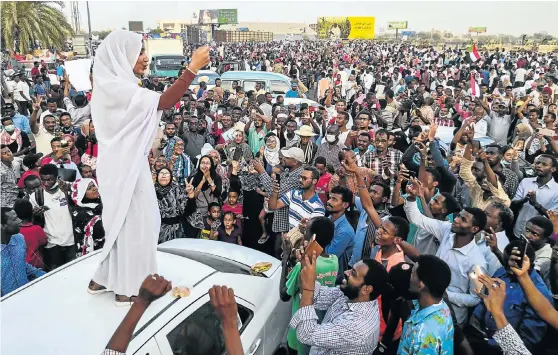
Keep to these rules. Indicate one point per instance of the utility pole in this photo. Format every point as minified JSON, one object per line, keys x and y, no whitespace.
{"x":89,"y":25}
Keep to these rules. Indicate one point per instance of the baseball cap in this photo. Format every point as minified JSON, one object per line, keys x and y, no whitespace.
{"x":31,"y":159}
{"x":294,"y":153}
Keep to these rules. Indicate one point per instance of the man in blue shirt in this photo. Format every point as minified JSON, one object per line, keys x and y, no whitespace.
{"x":15,"y":271}
{"x":340,"y":199}
{"x":19,"y":120}
{"x":520,"y":315}
{"x":293,"y":93}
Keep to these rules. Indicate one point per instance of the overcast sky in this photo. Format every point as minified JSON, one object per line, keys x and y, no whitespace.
{"x":455,"y":16}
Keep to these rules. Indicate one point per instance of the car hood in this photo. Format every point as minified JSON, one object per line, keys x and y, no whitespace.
{"x":240,"y":254}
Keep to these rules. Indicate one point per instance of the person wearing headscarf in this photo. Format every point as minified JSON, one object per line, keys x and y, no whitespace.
{"x":179,"y":162}
{"x":158,"y":164}
{"x":88,"y":143}
{"x":221,"y":170}
{"x":74,"y":153}
{"x":208,"y":188}
{"x":127,"y":117}
{"x":271,"y":152}
{"x":89,"y":234}
{"x":174,"y":205}
{"x":239,"y":144}
{"x":306,"y":143}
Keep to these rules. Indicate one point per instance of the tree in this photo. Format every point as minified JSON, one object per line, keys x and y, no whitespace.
{"x":24,"y":23}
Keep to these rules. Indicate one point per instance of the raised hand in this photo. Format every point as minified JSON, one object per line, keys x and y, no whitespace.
{"x":200,"y":59}
{"x":152,"y":288}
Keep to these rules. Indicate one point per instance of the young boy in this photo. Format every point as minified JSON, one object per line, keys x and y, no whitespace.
{"x":232,"y":205}
{"x":35,"y":237}
{"x":326,"y":273}
{"x":228,"y":231}
{"x":211,"y":222}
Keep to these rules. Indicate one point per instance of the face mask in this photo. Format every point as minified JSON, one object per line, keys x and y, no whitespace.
{"x":330,"y":138}
{"x":10,"y":128}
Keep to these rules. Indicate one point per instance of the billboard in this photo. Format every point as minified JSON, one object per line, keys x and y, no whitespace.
{"x":397,"y":25}
{"x":136,"y":26}
{"x":346,"y":27}
{"x":220,"y":16}
{"x":477,"y":29}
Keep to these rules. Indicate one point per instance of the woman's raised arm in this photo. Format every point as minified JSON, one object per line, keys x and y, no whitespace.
{"x":172,"y":95}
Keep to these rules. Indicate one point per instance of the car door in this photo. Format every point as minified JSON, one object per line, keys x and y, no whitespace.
{"x":197,"y":330}
{"x":279,"y":87}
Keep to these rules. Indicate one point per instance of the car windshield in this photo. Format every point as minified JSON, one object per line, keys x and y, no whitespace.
{"x":169,"y":63}
{"x":211,"y":76}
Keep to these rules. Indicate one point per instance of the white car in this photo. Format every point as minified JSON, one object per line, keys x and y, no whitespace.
{"x":211,"y":75}
{"x":55,"y":315}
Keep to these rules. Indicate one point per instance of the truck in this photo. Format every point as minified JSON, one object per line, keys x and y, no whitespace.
{"x":165,"y":57}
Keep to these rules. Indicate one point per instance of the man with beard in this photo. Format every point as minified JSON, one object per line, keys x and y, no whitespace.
{"x":430,"y":326}
{"x":340,"y":199}
{"x":351,"y":323}
{"x":52,"y":203}
{"x":15,"y":271}
{"x":194,"y":141}
{"x":52,"y":110}
{"x":303,"y":203}
{"x":498,"y":120}
{"x":362,"y":122}
{"x":236,"y":114}
{"x":457,"y":248}
{"x":168,"y":140}
{"x":267,"y":106}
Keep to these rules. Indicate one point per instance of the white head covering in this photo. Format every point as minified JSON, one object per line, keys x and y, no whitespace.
{"x":126,"y":119}
{"x":79,"y":188}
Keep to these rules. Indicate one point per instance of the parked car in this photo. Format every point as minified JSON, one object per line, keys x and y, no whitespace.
{"x":276,"y":84}
{"x":231,"y":65}
{"x":55,"y":315}
{"x":211,"y":76}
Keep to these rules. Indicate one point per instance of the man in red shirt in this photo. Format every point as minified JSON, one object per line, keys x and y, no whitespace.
{"x":35,"y":237}
{"x":323,"y":181}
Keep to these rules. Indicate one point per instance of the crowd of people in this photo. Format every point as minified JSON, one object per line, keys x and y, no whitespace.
{"x":425,"y":247}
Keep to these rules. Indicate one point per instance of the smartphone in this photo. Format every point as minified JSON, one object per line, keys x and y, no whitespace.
{"x":220,"y":112}
{"x":313,"y":246}
{"x":237,"y":154}
{"x":522,"y":250}
{"x":278,"y":179}
{"x":412,"y":174}
{"x":40,"y":196}
{"x":474,"y":276}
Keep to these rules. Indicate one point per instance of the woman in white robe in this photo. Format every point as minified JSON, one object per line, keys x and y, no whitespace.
{"x":126,"y":118}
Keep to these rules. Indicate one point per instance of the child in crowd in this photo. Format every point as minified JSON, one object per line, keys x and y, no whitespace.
{"x":275,"y":171}
{"x":228,"y":231}
{"x":211,"y":222}
{"x":232,"y":205}
{"x":35,"y":237}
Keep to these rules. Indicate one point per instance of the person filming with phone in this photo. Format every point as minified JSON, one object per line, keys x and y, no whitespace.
{"x":518,"y":312}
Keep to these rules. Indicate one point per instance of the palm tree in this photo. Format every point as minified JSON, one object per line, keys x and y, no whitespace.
{"x":24,"y":22}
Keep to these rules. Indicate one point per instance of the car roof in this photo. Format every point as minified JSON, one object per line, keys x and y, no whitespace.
{"x":56,"y":308}
{"x":262,"y":75}
{"x":298,"y":101}
{"x":446,"y":136}
{"x":207,"y":72}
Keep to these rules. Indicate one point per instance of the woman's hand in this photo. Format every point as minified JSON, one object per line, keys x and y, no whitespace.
{"x":200,"y":59}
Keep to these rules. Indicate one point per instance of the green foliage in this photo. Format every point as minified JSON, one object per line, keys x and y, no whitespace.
{"x":28,"y":21}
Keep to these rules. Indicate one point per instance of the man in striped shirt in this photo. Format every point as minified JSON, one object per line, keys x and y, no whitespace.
{"x":303,"y":202}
